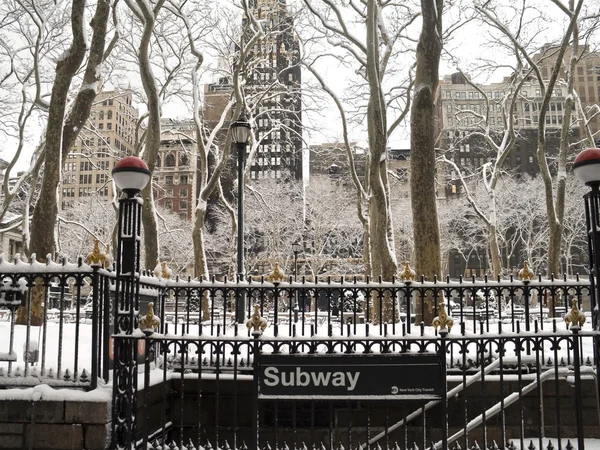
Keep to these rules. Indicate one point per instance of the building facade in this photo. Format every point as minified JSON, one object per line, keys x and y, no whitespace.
{"x":586,"y":81}
{"x":108,"y":136}
{"x":467,"y":116}
{"x":174,"y":180}
{"x":273,"y":86}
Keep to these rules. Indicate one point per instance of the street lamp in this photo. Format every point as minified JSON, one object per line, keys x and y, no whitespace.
{"x":296,"y":248}
{"x":131,"y":175}
{"x":240,"y":133}
{"x":587,"y":169}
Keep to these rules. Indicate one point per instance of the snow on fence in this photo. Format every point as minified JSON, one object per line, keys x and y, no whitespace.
{"x":56,"y":319}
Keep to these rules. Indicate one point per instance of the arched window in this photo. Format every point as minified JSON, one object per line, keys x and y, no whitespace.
{"x":183,"y":160}
{"x":101,"y":115}
{"x":170,"y":160}
{"x":158,"y":161}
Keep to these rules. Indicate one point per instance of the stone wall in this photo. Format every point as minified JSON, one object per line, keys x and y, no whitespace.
{"x":54,"y":424}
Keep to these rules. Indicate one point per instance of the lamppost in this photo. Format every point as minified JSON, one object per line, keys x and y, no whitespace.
{"x":131,"y":175}
{"x":240,"y":133}
{"x":296,"y":248}
{"x":587,"y":169}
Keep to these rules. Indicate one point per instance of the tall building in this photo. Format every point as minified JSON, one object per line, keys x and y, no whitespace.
{"x":460,"y":122}
{"x":586,"y":81}
{"x":461,"y":110}
{"x":273,"y":85}
{"x":107,"y":137}
{"x":174,"y":174}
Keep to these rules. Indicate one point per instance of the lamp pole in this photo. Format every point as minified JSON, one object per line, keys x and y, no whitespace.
{"x":130,"y":175}
{"x":240,"y":132}
{"x":587,"y":169}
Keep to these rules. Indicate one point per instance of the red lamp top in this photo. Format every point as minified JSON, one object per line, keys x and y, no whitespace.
{"x":131,"y":163}
{"x":587,"y":166}
{"x":131,"y":175}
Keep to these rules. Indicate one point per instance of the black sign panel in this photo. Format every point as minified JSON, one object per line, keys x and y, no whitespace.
{"x":413,"y":376}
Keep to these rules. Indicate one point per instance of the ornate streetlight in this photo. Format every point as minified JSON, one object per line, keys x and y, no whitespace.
{"x":131,"y":175}
{"x":240,"y":133}
{"x":587,"y":169}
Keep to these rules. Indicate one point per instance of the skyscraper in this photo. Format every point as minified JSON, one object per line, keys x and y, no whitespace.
{"x":273,"y":90}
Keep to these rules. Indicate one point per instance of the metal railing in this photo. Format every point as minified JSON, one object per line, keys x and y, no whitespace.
{"x":71,"y":344}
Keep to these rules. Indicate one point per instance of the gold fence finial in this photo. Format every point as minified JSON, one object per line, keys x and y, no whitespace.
{"x":166,"y":271}
{"x":149,"y":323}
{"x":276,"y":275}
{"x":526,"y":274}
{"x":96,"y":257}
{"x":407,"y":274}
{"x":574,"y":318}
{"x":443,"y":320}
{"x":256,"y":323}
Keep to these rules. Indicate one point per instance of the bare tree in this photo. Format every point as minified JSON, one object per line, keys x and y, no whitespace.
{"x":554,"y":186}
{"x":422,"y":153}
{"x":373,"y":49}
{"x":61,"y":114}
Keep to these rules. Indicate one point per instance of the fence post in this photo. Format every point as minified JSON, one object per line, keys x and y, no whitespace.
{"x":444,"y":403}
{"x":131,"y":175}
{"x":254,"y":444}
{"x":96,"y":347}
{"x":577,"y":374}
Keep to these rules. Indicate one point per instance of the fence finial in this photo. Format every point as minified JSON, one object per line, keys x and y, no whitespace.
{"x":149,"y":323}
{"x":526,"y":274}
{"x":96,"y":257}
{"x":256,"y":323}
{"x":277,"y":275}
{"x":407,"y":274}
{"x":574,"y":318}
{"x":162,"y":271}
{"x":443,"y":320}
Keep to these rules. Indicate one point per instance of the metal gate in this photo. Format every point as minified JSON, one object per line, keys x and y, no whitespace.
{"x":518,"y":390}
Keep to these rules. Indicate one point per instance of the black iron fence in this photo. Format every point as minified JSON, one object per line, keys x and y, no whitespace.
{"x":518,"y":390}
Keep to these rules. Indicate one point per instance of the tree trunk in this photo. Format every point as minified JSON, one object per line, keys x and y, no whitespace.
{"x":152,"y":142}
{"x":422,"y":155}
{"x":58,"y":140}
{"x":381,"y":243}
{"x":44,"y":217}
{"x":494,"y":251}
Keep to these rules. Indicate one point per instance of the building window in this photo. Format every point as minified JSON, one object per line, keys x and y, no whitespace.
{"x":183,"y":204}
{"x":183,"y":179}
{"x":169,"y":179}
{"x":183,"y":193}
{"x":170,"y":160}
{"x":168,"y":204}
{"x":109,"y":115}
{"x":183,"y":160}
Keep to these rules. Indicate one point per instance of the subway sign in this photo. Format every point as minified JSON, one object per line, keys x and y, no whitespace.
{"x":375,"y":377}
